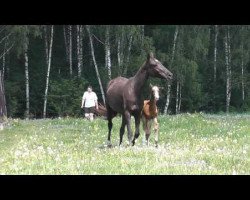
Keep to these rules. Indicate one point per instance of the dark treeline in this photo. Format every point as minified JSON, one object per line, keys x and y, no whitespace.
{"x":46,"y":68}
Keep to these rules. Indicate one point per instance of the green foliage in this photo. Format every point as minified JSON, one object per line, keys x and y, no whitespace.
{"x":21,"y":35}
{"x":14,"y":98}
{"x":192,"y":66}
{"x":65,"y":97}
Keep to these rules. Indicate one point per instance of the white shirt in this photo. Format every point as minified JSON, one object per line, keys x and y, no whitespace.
{"x":89,"y":98}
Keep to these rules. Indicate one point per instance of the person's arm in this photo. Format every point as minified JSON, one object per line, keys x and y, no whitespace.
{"x":83,"y":100}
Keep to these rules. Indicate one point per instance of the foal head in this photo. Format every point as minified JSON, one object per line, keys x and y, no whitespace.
{"x":156,"y":69}
{"x":155,"y":90}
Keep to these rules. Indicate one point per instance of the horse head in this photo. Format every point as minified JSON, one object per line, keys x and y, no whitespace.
{"x":156,"y":69}
{"x":155,"y":92}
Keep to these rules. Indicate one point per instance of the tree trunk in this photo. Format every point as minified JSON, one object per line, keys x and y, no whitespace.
{"x":3,"y":110}
{"x":119,"y":55}
{"x":142,"y":37}
{"x":107,"y":52}
{"x":215,"y":51}
{"x":179,"y":106}
{"x":142,"y":33}
{"x":242,"y":73}
{"x":48,"y":70}
{"x":128,"y":55}
{"x":177,"y":97}
{"x":95,"y":64}
{"x":66,"y":42}
{"x":4,"y":63}
{"x":120,"y":44}
{"x":79,"y":49}
{"x":174,"y":44}
{"x":228,"y":69}
{"x":26,"y":60}
{"x":168,"y":97}
{"x":46,"y":45}
{"x":70,"y":50}
{"x":171,"y":62}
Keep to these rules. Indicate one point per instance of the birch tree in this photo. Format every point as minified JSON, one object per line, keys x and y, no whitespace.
{"x":4,"y":63}
{"x":171,"y":63}
{"x":228,"y":67}
{"x":66,"y":43}
{"x":94,"y":60}
{"x":129,"y":52}
{"x":79,"y":49}
{"x":120,"y":47}
{"x":48,"y":48}
{"x":26,"y":64}
{"x":67,"y":32}
{"x":215,"y":50}
{"x":70,"y":50}
{"x":107,"y":51}
{"x":242,"y":73}
{"x":177,"y":97}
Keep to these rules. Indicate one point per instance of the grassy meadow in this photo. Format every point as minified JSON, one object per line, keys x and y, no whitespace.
{"x":188,"y":144}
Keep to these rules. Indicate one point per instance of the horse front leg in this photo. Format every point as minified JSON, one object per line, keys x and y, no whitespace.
{"x":128,"y":122}
{"x":137,"y":128}
{"x":122,"y":129}
{"x":156,"y":130}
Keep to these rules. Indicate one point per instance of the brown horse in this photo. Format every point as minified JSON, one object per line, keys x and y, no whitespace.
{"x":150,"y":113}
{"x":124,"y":96}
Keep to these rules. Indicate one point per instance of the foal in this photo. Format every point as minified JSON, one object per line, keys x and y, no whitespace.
{"x":150,"y":113}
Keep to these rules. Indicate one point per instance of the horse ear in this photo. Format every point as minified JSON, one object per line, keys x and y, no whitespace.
{"x":150,"y":55}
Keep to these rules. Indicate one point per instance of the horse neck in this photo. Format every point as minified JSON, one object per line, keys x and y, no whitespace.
{"x":140,"y":79}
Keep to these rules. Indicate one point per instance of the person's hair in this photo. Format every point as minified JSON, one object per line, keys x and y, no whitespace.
{"x":90,"y":87}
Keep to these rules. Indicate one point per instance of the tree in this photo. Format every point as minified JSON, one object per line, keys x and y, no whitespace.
{"x":79,"y":49}
{"x":171,"y":62}
{"x":107,"y":51}
{"x":228,"y":67}
{"x":48,"y":48}
{"x":21,"y":35}
{"x":94,"y":60}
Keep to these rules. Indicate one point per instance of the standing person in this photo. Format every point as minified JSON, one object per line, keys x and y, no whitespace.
{"x":89,"y":103}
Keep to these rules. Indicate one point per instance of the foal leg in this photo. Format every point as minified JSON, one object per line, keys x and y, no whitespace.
{"x":144,"y":126}
{"x":137,"y":127}
{"x":128,"y":122}
{"x":122,"y":129}
{"x":156,"y":130}
{"x":148,"y":130}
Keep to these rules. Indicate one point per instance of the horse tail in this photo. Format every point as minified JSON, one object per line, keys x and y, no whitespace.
{"x":101,"y":111}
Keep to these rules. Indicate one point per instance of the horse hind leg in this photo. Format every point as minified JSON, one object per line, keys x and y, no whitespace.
{"x":122,"y":129}
{"x":128,"y":122}
{"x":110,"y":114}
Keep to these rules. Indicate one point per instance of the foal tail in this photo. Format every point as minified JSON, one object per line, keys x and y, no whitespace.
{"x":102,"y":111}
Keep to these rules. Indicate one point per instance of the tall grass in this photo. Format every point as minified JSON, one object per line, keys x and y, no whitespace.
{"x":188,"y":144}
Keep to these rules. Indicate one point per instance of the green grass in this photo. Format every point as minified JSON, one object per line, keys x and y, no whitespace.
{"x":188,"y":144}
